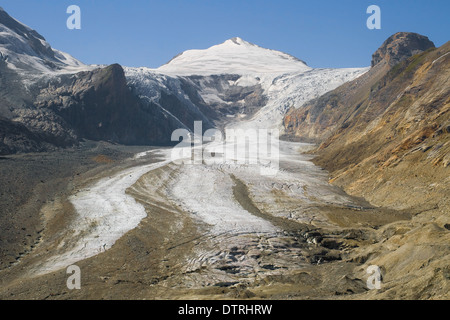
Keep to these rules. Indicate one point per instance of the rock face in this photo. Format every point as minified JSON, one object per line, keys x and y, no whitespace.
{"x":99,"y":105}
{"x":400,"y":46}
{"x":234,"y":56}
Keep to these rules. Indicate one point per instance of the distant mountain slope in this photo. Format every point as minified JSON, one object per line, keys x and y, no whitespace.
{"x":23,"y":49}
{"x":48,"y":99}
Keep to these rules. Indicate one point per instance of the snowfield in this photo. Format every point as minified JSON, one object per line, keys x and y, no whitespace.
{"x":234,"y":56}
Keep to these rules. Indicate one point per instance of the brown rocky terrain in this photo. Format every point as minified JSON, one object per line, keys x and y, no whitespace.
{"x":385,"y":137}
{"x":400,"y":46}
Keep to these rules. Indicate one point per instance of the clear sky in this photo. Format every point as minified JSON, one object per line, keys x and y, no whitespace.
{"x":327,"y":33}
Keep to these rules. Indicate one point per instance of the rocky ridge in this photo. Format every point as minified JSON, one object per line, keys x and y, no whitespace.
{"x":400,"y":46}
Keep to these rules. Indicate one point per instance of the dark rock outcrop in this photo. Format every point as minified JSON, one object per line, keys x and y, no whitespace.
{"x":401,"y":46}
{"x":15,"y":137}
{"x":99,"y":105}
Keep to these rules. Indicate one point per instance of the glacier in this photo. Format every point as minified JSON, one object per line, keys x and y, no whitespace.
{"x":216,"y":78}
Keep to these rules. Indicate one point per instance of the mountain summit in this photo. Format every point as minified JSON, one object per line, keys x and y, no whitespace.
{"x":234,"y":56}
{"x":401,"y":46}
{"x":22,"y":48}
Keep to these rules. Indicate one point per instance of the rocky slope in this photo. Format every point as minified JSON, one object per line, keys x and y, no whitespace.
{"x":385,"y":137}
{"x":382,"y":117}
{"x":316,"y":120}
{"x":99,"y":105}
{"x":15,"y":137}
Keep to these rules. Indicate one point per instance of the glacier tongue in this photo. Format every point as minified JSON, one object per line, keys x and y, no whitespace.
{"x":294,"y":90}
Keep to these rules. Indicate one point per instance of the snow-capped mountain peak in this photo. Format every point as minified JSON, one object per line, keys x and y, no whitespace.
{"x":238,"y":41}
{"x":234,"y":56}
{"x":25,"y":50}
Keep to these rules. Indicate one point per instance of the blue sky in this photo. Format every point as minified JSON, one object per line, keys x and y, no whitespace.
{"x":327,"y":33}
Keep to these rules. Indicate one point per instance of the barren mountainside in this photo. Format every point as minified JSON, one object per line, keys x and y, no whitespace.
{"x":386,"y":137}
{"x":381,"y":118}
